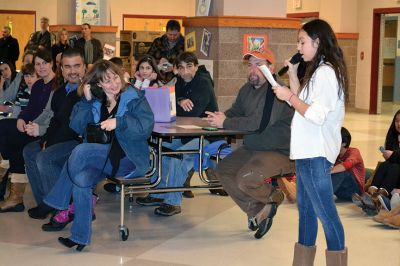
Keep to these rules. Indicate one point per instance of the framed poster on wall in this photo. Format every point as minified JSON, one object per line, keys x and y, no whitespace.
{"x":190,"y":42}
{"x":203,"y":8}
{"x":205,"y":42}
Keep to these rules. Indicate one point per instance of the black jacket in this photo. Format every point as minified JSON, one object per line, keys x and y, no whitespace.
{"x":200,"y":90}
{"x":59,"y":130}
{"x":39,"y":39}
{"x":9,"y":49}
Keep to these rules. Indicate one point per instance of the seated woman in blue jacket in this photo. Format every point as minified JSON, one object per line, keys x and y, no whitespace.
{"x":120,"y":109}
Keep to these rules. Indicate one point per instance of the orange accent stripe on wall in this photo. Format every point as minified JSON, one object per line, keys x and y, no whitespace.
{"x":347,"y":35}
{"x":242,"y":22}
{"x":95,"y":28}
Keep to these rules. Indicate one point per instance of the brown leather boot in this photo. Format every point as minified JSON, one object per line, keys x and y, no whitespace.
{"x":303,"y":255}
{"x":336,"y":258}
{"x":14,"y":202}
{"x":383,"y":214}
{"x":289,"y":188}
{"x":393,"y":221}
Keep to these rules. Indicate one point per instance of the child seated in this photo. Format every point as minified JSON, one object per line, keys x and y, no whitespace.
{"x":348,"y":173}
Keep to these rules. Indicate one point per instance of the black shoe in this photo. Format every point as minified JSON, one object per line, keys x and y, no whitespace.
{"x":41,"y":211}
{"x":149,"y":201}
{"x":112,"y":188}
{"x":167,"y":210}
{"x":70,"y":244}
{"x":188,"y":194}
{"x":220,"y":192}
{"x":252,"y":224}
{"x":266,"y":224}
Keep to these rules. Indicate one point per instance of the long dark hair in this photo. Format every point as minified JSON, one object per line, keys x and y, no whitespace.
{"x":11,"y":66}
{"x":392,"y":136}
{"x":328,"y":51}
{"x":152,"y":62}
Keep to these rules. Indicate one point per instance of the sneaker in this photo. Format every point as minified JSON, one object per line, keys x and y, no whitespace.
{"x":112,"y":188}
{"x":385,"y":202}
{"x":149,"y":201}
{"x":357,"y":200}
{"x":265,"y":225}
{"x":220,"y":192}
{"x":167,"y":210}
{"x":252,"y":223}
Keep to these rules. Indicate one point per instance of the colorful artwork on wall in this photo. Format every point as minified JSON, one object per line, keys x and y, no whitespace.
{"x":254,"y":42}
{"x":87,"y":12}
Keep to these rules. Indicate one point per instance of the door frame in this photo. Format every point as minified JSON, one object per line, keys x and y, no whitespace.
{"x":376,"y":33}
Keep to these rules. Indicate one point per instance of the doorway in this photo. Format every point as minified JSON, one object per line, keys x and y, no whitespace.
{"x":22,"y":24}
{"x":385,"y":56}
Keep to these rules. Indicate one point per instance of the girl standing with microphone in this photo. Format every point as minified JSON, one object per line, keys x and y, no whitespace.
{"x":319,"y":104}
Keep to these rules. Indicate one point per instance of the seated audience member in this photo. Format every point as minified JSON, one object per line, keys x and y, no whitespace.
{"x":7,"y":74}
{"x":265,"y":152}
{"x":19,"y":88}
{"x":90,"y":47}
{"x":390,"y":214}
{"x":124,"y":112}
{"x":16,"y":87}
{"x":21,"y":100}
{"x":166,"y":48}
{"x":387,"y":174}
{"x":45,"y":158}
{"x":195,"y":95}
{"x":119,"y":63}
{"x":348,"y":173}
{"x":13,"y":137}
{"x":147,"y":73}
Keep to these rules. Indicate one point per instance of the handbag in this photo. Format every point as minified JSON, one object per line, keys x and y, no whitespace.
{"x":95,"y":134}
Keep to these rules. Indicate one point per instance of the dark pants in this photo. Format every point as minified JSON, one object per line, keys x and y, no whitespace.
{"x":12,"y":143}
{"x":242,"y":174}
{"x":387,"y":176}
{"x":344,"y":185}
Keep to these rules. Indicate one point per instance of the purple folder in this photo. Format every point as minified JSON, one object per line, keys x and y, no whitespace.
{"x":162,"y":102}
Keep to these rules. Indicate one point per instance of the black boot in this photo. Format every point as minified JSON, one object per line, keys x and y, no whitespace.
{"x":69,"y":243}
{"x":188,"y":194}
{"x":41,"y":211}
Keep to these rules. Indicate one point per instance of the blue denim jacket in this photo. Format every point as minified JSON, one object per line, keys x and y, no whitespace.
{"x":135,"y":122}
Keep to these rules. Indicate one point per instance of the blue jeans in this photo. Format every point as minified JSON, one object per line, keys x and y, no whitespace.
{"x":43,"y":167}
{"x":174,"y":170}
{"x":344,"y":185}
{"x":79,"y":175}
{"x":315,"y":200}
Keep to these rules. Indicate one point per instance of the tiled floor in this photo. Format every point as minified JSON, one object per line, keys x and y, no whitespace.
{"x":211,"y":230}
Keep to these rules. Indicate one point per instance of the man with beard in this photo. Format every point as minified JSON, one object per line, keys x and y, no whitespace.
{"x":265,"y":152}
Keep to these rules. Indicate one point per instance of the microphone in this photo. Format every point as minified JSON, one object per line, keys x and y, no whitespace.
{"x":294,"y":60}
